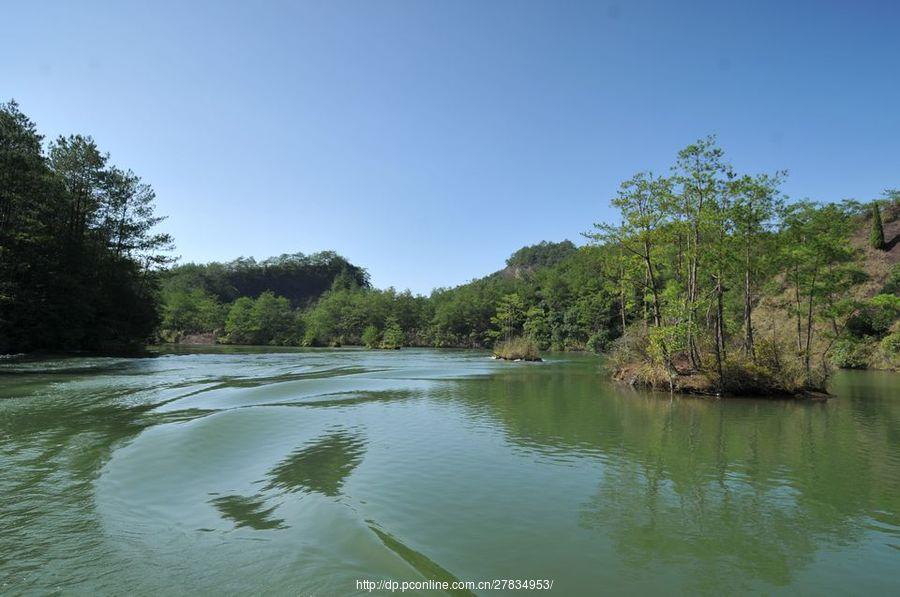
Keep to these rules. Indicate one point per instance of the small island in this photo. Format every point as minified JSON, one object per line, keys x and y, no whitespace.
{"x":517,"y":349}
{"x":744,"y":294}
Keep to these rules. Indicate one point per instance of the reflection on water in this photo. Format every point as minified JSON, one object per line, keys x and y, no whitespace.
{"x":321,"y":466}
{"x":247,"y":512}
{"x":429,"y":569}
{"x":247,"y":470}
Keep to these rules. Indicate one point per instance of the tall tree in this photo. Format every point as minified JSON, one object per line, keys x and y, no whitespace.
{"x":876,"y":236}
{"x":815,"y":246}
{"x":755,"y":205}
{"x":78,"y":249}
{"x":701,"y":175}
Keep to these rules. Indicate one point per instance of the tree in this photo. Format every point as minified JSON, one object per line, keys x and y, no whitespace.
{"x":510,"y":316}
{"x":876,"y":237}
{"x":815,"y":245}
{"x":393,"y":335}
{"x":536,"y":327}
{"x":241,"y":326}
{"x":643,"y":204}
{"x":273,"y":320}
{"x":371,"y":336}
{"x":78,"y":248}
{"x":754,"y":209}
{"x":700,"y":173}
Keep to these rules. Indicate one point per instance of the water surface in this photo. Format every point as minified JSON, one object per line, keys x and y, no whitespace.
{"x":294,"y":472}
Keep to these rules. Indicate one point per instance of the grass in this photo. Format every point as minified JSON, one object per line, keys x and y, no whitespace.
{"x":517,"y":349}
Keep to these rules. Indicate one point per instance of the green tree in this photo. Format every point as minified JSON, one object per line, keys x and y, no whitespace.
{"x":79,"y":253}
{"x":509,"y":316}
{"x":754,"y":209}
{"x":273,"y":320}
{"x":876,"y":236}
{"x":371,"y":336}
{"x":536,"y":326}
{"x":192,"y":312}
{"x":701,"y":175}
{"x":393,"y":335}
{"x":644,"y":203}
{"x":816,"y":247}
{"x":241,"y":326}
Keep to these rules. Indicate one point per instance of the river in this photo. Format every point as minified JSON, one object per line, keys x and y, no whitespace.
{"x":289,"y":471}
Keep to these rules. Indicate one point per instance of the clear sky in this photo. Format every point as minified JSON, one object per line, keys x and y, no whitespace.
{"x":427,"y":140}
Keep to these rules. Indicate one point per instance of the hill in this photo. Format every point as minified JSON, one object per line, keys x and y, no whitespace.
{"x":299,"y":278}
{"x":196,"y":298}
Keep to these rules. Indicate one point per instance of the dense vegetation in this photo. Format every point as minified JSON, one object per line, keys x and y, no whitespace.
{"x":243,"y":293}
{"x":715,"y":258}
{"x":78,"y":250}
{"x":711,"y":281}
{"x":560,"y":306}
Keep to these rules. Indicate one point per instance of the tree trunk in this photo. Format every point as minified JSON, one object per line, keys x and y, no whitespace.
{"x":748,"y":310}
{"x":809,"y":327}
{"x":797,"y":309}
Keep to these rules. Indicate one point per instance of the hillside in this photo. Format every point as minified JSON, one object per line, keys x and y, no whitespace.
{"x":197,"y":298}
{"x":299,"y":278}
{"x":877,"y":264}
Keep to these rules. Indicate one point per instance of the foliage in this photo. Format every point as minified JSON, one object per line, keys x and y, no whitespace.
{"x":299,"y":278}
{"x":193,"y":312}
{"x":393,"y":335}
{"x":876,"y":237}
{"x":679,"y":288}
{"x":543,"y":254}
{"x":890,"y":344}
{"x":517,"y":349}
{"x":509,"y":316}
{"x":267,"y":319}
{"x":892,"y":284}
{"x":371,"y":337}
{"x":849,"y":353}
{"x":79,"y":251}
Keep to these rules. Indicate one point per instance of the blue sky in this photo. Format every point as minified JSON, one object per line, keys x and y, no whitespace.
{"x":428,"y":140}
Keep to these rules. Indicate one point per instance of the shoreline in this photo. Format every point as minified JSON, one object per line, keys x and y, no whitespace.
{"x":700,"y":384}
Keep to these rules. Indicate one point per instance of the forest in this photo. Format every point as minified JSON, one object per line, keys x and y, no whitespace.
{"x":79,"y":249}
{"x":708,"y":278}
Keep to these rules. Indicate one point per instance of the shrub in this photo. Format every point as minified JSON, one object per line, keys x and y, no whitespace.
{"x":890,"y":344}
{"x":875,"y":316}
{"x":371,"y":336}
{"x":851,"y":354}
{"x":393,"y":335}
{"x":892,"y":284}
{"x":630,"y":347}
{"x":309,"y":338}
{"x":514,"y":349}
{"x":598,"y":342}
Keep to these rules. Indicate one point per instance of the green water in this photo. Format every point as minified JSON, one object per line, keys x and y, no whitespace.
{"x":297,"y":472}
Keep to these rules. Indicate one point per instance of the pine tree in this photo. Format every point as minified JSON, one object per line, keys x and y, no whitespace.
{"x":876,"y":237}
